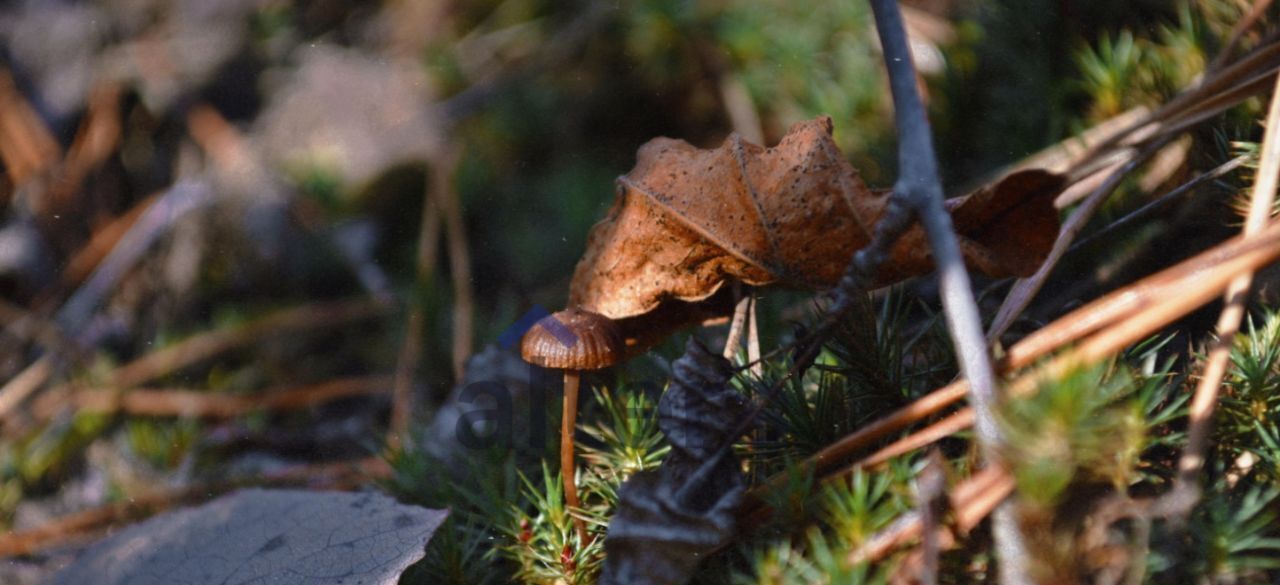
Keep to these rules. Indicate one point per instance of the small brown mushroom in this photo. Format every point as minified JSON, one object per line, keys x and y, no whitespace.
{"x":572,"y":340}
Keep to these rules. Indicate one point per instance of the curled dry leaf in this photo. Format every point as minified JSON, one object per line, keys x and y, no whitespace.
{"x":688,"y":220}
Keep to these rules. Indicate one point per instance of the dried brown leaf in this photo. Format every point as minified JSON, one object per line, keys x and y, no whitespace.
{"x":688,"y":220}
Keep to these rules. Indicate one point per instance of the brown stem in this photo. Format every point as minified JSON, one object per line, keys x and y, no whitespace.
{"x":567,"y":425}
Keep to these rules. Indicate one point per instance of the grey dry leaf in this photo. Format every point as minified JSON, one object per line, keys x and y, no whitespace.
{"x":282,"y":537}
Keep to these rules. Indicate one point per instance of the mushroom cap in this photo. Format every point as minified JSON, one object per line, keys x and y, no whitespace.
{"x":573,"y":339}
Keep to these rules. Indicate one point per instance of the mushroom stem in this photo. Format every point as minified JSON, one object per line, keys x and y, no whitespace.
{"x":567,"y":467}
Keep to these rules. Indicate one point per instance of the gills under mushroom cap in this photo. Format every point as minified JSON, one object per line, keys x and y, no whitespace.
{"x":573,"y":339}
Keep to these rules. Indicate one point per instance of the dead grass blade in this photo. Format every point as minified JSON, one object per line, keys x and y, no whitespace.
{"x":1102,"y":328}
{"x":96,"y":140}
{"x":1245,"y":24}
{"x":1025,"y":289}
{"x":85,"y":260}
{"x":443,"y":174}
{"x":203,"y":346}
{"x":189,"y":352}
{"x":971,"y":501}
{"x":1206,"y":394}
{"x":27,"y":147}
{"x":411,"y":349}
{"x":217,"y":405}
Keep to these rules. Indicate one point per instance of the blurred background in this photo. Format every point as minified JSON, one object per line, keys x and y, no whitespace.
{"x":346,"y":200}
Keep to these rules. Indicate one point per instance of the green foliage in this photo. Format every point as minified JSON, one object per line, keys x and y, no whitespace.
{"x":876,"y":360}
{"x":476,"y":492}
{"x":1232,"y":538}
{"x":546,"y":544}
{"x":801,"y":59}
{"x":854,"y":510}
{"x":540,"y":535}
{"x":1249,"y":408}
{"x":1124,"y":71}
{"x":627,"y":441}
{"x":163,"y":444}
{"x":1094,"y":423}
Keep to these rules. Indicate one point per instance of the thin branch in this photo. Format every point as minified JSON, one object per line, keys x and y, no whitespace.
{"x":931,"y":486}
{"x":220,"y":405}
{"x":1157,"y":205}
{"x":442,"y":176}
{"x":411,"y":349}
{"x":1242,"y":26}
{"x":1106,"y":326}
{"x":1025,"y":289}
{"x":1186,"y":487}
{"x":920,"y":189}
{"x":177,"y":201}
{"x":205,"y":345}
{"x":971,"y":502}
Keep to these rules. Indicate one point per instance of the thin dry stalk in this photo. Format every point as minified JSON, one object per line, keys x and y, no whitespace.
{"x":1025,"y":289}
{"x":203,"y":346}
{"x":442,"y":176}
{"x":215,"y":405}
{"x":95,"y":141}
{"x":733,"y":340}
{"x":27,"y":147}
{"x":1206,"y":393}
{"x":931,"y":486}
{"x":18,"y":388}
{"x":753,"y":337}
{"x":950,"y":425}
{"x":1158,"y":205}
{"x":411,"y":350}
{"x":1244,"y":25}
{"x":1162,"y":299}
{"x":971,"y":501}
{"x":104,"y":239}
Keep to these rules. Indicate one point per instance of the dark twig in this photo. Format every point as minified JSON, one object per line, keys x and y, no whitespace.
{"x":931,"y":487}
{"x":1142,"y":214}
{"x":920,"y":190}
